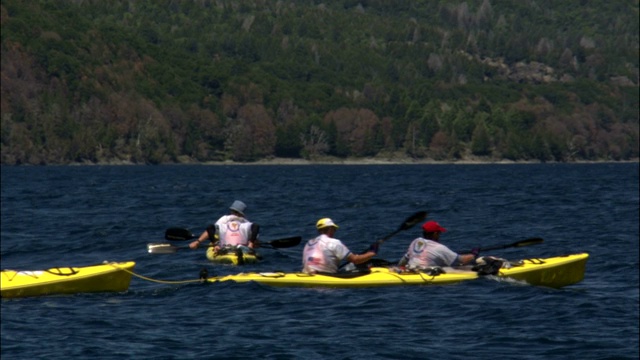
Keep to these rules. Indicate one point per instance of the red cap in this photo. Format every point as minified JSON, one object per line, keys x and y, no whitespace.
{"x":432,"y":226}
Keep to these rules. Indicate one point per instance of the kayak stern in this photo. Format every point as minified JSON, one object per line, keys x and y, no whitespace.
{"x":232,"y":258}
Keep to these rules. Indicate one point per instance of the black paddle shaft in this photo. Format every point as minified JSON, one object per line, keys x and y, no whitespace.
{"x":407,"y":224}
{"x":178,"y":234}
{"x":521,"y":243}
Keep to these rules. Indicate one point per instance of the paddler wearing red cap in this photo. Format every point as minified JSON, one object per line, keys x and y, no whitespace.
{"x":427,"y":251}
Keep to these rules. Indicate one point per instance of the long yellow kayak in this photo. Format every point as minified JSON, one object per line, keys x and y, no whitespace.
{"x":107,"y":277}
{"x":554,"y":272}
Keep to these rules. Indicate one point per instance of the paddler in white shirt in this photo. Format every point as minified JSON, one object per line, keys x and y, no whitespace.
{"x":231,"y":231}
{"x":427,"y":251}
{"x":324,"y":253}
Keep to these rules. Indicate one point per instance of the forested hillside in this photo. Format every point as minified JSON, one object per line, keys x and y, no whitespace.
{"x":196,"y":80}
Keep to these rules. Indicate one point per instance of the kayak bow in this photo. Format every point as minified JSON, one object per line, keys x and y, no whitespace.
{"x":106,"y":277}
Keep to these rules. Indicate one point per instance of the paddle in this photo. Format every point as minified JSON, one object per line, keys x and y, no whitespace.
{"x":407,"y":224}
{"x":283,"y":243}
{"x":521,"y":243}
{"x":178,"y":234}
{"x":162,"y":248}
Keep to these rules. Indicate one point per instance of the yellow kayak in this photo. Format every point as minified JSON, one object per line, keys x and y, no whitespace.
{"x":107,"y":277}
{"x":554,"y":272}
{"x":232,"y":257}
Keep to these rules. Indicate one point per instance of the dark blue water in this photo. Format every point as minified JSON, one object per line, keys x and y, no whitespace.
{"x":61,"y":216}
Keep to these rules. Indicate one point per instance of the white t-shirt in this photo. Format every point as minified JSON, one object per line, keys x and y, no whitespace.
{"x":323,"y":254}
{"x":233,"y":230}
{"x":424,"y":253}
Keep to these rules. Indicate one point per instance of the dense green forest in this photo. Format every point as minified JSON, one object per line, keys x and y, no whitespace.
{"x":153,"y":82}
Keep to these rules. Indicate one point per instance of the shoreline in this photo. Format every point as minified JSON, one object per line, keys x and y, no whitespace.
{"x":348,"y":161}
{"x":373,"y":161}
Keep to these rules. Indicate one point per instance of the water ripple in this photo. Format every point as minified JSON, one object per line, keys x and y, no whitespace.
{"x":60,"y":216}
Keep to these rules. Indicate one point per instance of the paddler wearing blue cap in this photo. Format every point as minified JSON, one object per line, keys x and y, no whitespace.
{"x":232,"y":230}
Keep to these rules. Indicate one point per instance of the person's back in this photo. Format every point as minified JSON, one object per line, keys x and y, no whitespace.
{"x":323,"y":254}
{"x":233,"y":230}
{"x":427,"y":251}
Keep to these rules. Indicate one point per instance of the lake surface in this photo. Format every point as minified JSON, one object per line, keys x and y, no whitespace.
{"x":83,"y":215}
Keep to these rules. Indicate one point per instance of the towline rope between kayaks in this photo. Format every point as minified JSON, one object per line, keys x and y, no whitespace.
{"x":159,"y":281}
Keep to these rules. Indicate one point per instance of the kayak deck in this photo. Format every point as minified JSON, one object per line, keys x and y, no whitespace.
{"x":552,"y":272}
{"x":107,"y":277}
{"x":232,"y":258}
{"x":377,"y":277}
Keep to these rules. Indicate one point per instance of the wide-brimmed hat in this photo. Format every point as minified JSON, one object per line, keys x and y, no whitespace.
{"x":238,"y":206}
{"x":325,"y":222}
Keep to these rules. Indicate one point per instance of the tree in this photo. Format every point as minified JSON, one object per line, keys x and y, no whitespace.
{"x":252,"y":135}
{"x":152,"y":81}
{"x":314,"y":143}
{"x":355,"y":131}
{"x":480,"y":140}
